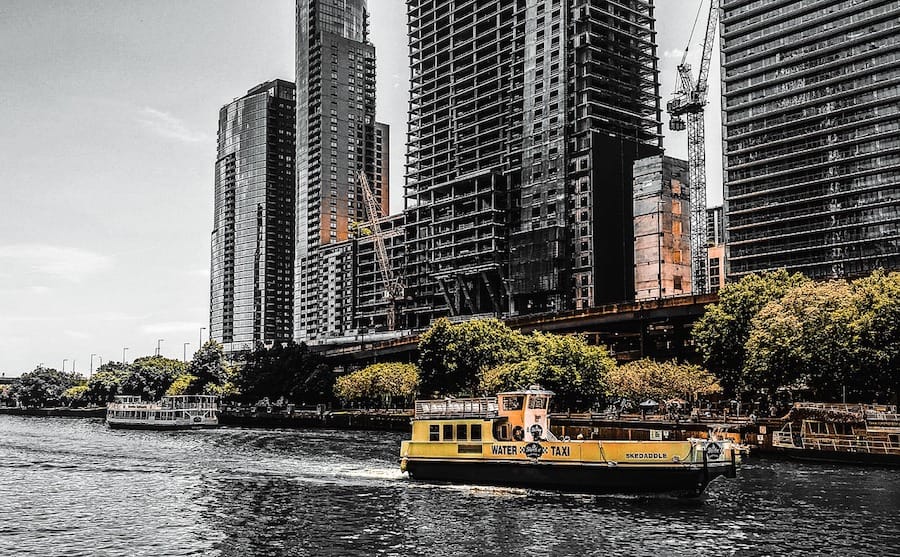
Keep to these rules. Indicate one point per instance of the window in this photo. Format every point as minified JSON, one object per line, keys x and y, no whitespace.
{"x":434,"y":433}
{"x":476,"y":432}
{"x":461,"y":433}
{"x":448,"y":432}
{"x":676,"y":282}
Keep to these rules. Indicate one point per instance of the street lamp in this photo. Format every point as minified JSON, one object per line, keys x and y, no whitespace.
{"x":124,"y":361}
{"x":92,"y":366}
{"x":73,"y":365}
{"x":184,"y":356}
{"x":158,"y":342}
{"x":201,"y":336}
{"x":64,"y":364}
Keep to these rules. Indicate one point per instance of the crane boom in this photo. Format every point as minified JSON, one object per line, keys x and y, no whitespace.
{"x":688,"y":104}
{"x":393,"y":288}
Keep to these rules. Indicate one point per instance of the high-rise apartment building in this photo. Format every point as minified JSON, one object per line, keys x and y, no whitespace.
{"x":525,"y":117}
{"x":662,"y":228}
{"x":251,"y":281}
{"x":336,"y":138}
{"x":811,"y":114}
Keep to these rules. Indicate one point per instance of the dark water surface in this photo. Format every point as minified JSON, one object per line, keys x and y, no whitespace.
{"x":73,"y":487}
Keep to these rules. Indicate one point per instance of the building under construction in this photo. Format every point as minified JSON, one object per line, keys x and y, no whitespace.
{"x":811,"y":102}
{"x":525,"y":118}
{"x":662,"y":228}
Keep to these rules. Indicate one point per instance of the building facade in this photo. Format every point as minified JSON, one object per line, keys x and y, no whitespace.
{"x":251,"y":279}
{"x":715,"y":241}
{"x":337,"y":137}
{"x":811,"y":118}
{"x":525,"y":117}
{"x":662,"y":228}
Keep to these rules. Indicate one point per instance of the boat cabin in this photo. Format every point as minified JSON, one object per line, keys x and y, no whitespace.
{"x":511,"y":416}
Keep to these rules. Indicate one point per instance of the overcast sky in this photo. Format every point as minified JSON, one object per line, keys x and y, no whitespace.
{"x":108,"y":115}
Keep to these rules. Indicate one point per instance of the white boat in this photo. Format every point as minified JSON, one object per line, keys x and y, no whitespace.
{"x":172,"y":412}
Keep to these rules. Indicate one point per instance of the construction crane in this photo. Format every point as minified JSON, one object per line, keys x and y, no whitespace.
{"x":688,"y":104}
{"x":393,"y":288}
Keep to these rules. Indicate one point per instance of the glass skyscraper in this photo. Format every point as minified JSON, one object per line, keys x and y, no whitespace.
{"x":251,"y":288}
{"x":811,"y":102}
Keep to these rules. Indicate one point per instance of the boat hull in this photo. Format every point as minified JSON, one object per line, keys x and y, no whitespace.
{"x":681,"y":481}
{"x":841,"y":457}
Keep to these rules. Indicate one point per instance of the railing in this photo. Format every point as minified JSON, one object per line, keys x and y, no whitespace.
{"x":785,"y":439}
{"x":485,"y":407}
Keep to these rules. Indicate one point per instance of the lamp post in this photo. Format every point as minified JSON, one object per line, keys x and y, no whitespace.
{"x":64,"y":364}
{"x":201,"y":336}
{"x":184,"y":356}
{"x":92,"y":366}
{"x":124,"y":361}
{"x":158,"y":342}
{"x":73,"y":365}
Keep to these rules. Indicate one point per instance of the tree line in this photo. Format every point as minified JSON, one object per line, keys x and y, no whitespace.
{"x":776,"y":332}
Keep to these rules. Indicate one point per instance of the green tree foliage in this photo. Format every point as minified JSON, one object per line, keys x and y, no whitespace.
{"x":565,"y":364}
{"x":388,"y":384}
{"x":877,"y":299}
{"x":75,"y":396}
{"x":290,"y":371}
{"x":808,"y":338}
{"x":660,"y":381}
{"x":210,"y":368}
{"x":106,"y":383}
{"x":43,"y":387}
{"x":722,"y":333}
{"x":6,"y":395}
{"x":182,"y":385}
{"x":452,"y":356}
{"x":149,"y":377}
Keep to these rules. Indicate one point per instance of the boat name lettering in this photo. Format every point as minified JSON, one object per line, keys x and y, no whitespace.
{"x":504,"y":450}
{"x":645,"y":455}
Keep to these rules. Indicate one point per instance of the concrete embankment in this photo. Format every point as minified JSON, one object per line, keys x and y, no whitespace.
{"x":340,"y":419}
{"x":61,"y":412}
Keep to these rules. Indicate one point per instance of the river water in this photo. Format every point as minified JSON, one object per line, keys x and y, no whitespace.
{"x":74,"y":487}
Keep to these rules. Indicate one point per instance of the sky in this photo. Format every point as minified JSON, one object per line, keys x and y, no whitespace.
{"x":108,"y":117}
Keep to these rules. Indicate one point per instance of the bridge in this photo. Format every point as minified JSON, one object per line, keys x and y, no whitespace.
{"x":658,"y":329}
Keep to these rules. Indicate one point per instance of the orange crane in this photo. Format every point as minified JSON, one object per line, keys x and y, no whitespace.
{"x":393,"y":288}
{"x":688,"y":104}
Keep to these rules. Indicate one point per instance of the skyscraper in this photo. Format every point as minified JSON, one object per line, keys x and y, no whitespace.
{"x":251,"y":288}
{"x":336,"y":137}
{"x":525,"y":117}
{"x":811,"y":106}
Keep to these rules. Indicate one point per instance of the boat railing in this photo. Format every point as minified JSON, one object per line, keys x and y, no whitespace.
{"x":485,"y":407}
{"x":850,"y":444}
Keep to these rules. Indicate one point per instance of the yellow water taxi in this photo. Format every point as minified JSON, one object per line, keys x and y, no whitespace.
{"x":506,"y":440}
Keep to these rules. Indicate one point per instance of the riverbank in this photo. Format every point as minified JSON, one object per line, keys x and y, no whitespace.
{"x":56,"y":412}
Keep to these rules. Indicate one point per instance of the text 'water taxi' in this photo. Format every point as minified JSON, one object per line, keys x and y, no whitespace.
{"x":506,"y":440}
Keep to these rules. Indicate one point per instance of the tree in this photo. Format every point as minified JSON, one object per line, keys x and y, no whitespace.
{"x":106,"y":383}
{"x":182,"y":385}
{"x":877,"y":300}
{"x":452,"y":356}
{"x":648,"y":379}
{"x":806,"y":339}
{"x":722,"y":333}
{"x":565,"y":364}
{"x":291,"y":371}
{"x":384,"y":383}
{"x":149,"y":377}
{"x":76,"y":396}
{"x":210,"y":367}
{"x":43,"y":386}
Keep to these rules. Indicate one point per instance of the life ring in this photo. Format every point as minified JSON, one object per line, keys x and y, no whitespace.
{"x":518,"y":433}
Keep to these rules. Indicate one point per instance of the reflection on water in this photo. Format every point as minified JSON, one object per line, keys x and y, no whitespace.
{"x":73,"y":487}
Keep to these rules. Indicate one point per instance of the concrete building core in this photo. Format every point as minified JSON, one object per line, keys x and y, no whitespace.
{"x":662,"y":228}
{"x":525,"y":117}
{"x":252,"y":254}
{"x":811,"y":122}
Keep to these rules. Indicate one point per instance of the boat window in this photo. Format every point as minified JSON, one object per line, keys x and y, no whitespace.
{"x":434,"y":433}
{"x":476,"y":432}
{"x":512,"y":402}
{"x":448,"y":432}
{"x":538,"y":403}
{"x":461,"y":433}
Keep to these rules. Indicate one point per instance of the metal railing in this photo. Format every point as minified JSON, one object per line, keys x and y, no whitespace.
{"x":835,"y":443}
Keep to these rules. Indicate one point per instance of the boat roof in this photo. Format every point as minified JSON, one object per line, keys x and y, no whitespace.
{"x":532,"y":390}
